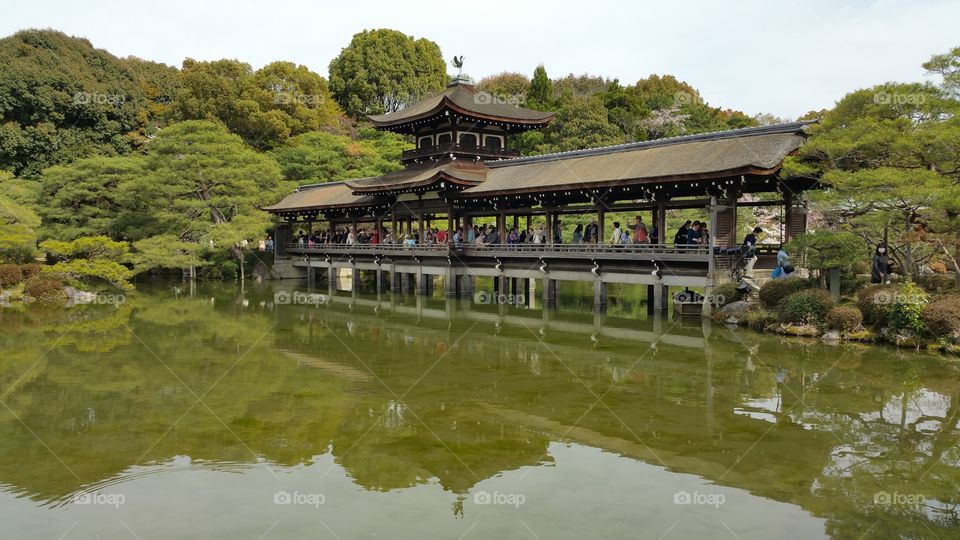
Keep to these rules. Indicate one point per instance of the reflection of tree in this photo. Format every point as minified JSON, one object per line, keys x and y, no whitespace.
{"x":848,"y":423}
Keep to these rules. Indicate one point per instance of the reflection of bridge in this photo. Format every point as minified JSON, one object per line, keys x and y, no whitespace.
{"x":513,"y":266}
{"x":452,"y":310}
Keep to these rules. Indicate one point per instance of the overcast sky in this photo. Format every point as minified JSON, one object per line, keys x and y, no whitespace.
{"x":784,"y":57}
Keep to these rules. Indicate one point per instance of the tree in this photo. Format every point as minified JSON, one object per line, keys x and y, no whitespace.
{"x":384,"y":70}
{"x":505,"y":85}
{"x":204,"y":186}
{"x":580,"y":123}
{"x":890,"y":155}
{"x":89,"y":259}
{"x":265,"y":107}
{"x":18,"y":222}
{"x":324,"y":157}
{"x":947,"y":66}
{"x":540,"y":91}
{"x":84,"y":198}
{"x":61,"y":99}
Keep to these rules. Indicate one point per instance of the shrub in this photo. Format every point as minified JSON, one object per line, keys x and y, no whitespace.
{"x":30,"y":270}
{"x":875,"y":302}
{"x":806,"y":307}
{"x":908,"y":304}
{"x":46,"y":288}
{"x":759,"y":318}
{"x":726,"y":294}
{"x":942,"y":315}
{"x":936,"y":282}
{"x":775,"y":290}
{"x":938,"y":267}
{"x":9,"y":275}
{"x":844,"y":318}
{"x":861,"y":267}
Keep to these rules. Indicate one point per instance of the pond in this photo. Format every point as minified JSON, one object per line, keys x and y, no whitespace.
{"x":207,"y":412}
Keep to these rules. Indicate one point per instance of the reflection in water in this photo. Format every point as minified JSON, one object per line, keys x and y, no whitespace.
{"x":426,"y":405}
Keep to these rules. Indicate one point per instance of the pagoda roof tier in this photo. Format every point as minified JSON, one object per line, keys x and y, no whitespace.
{"x":462,"y":174}
{"x":466,"y":101}
{"x":747,"y":151}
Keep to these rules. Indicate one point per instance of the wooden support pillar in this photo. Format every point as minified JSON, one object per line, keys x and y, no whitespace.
{"x":548,"y":230}
{"x":661,"y":221}
{"x":451,"y":224}
{"x":396,"y":282}
{"x":354,"y":279}
{"x":423,"y":286}
{"x":661,"y":297}
{"x":331,"y":280}
{"x":549,"y":292}
{"x":393,"y":225}
{"x":451,"y":289}
{"x":599,"y":296}
{"x":601,"y":221}
{"x":420,"y":237}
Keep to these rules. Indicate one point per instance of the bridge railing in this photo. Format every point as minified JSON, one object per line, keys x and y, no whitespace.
{"x":680,"y":252}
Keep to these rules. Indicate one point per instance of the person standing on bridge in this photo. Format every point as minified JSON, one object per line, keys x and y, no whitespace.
{"x":750,"y":250}
{"x":640,"y":234}
{"x":680,"y":239}
{"x":577,"y":234}
{"x":558,"y":232}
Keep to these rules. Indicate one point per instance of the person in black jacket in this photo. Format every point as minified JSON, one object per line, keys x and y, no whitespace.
{"x":680,"y":239}
{"x":880,"y":266}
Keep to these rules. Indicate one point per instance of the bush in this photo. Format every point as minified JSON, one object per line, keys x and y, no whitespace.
{"x":46,"y":288}
{"x":861,"y":267}
{"x":844,"y":318}
{"x":875,"y":302}
{"x":30,"y":270}
{"x":806,"y":307}
{"x":726,"y":294}
{"x":942,"y":316}
{"x":10,"y":275}
{"x":759,"y":318}
{"x":938,"y":267}
{"x":775,"y":290}
{"x":908,"y":304}
{"x":936,"y":282}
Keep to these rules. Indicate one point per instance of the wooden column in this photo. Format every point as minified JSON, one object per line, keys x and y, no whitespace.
{"x":420,"y":217}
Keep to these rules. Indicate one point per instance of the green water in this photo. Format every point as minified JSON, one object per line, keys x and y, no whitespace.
{"x":216,"y":414}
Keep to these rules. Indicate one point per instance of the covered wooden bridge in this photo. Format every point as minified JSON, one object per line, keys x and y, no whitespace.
{"x":462,"y":171}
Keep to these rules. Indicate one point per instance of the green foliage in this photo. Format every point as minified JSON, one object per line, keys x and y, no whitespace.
{"x":890,"y":155}
{"x":165,"y":251}
{"x":322,"y":157}
{"x":505,"y":85}
{"x":383,"y":70}
{"x":806,"y":307}
{"x":875,"y":302}
{"x":264,"y":107}
{"x":18,"y":222}
{"x":84,"y":198}
{"x":759,"y":318}
{"x":826,"y":249}
{"x":89,"y":259}
{"x":941,"y":316}
{"x":775,"y":290}
{"x":61,"y":99}
{"x":540,"y":92}
{"x":204,"y":186}
{"x":937,"y":282}
{"x":726,"y":293}
{"x":45,"y":288}
{"x":906,"y":313}
{"x":580,"y":123}
{"x":844,"y":318}
{"x":947,"y":66}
